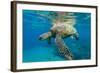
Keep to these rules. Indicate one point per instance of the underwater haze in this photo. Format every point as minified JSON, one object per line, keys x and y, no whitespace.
{"x":36,"y":23}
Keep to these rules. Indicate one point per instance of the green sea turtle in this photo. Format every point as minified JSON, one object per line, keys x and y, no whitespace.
{"x":62,"y":29}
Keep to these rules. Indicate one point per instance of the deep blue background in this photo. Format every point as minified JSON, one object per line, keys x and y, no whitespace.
{"x":35,"y":50}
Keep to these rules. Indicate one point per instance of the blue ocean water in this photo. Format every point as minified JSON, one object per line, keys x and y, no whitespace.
{"x":35,"y":50}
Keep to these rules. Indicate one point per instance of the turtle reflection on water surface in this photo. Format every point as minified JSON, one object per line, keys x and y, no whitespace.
{"x":62,"y":27}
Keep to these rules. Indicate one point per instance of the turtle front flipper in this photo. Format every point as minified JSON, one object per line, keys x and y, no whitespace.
{"x":63,"y":49}
{"x":44,"y":36}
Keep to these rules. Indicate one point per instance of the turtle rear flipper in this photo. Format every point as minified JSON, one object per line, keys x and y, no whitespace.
{"x":63,"y":49}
